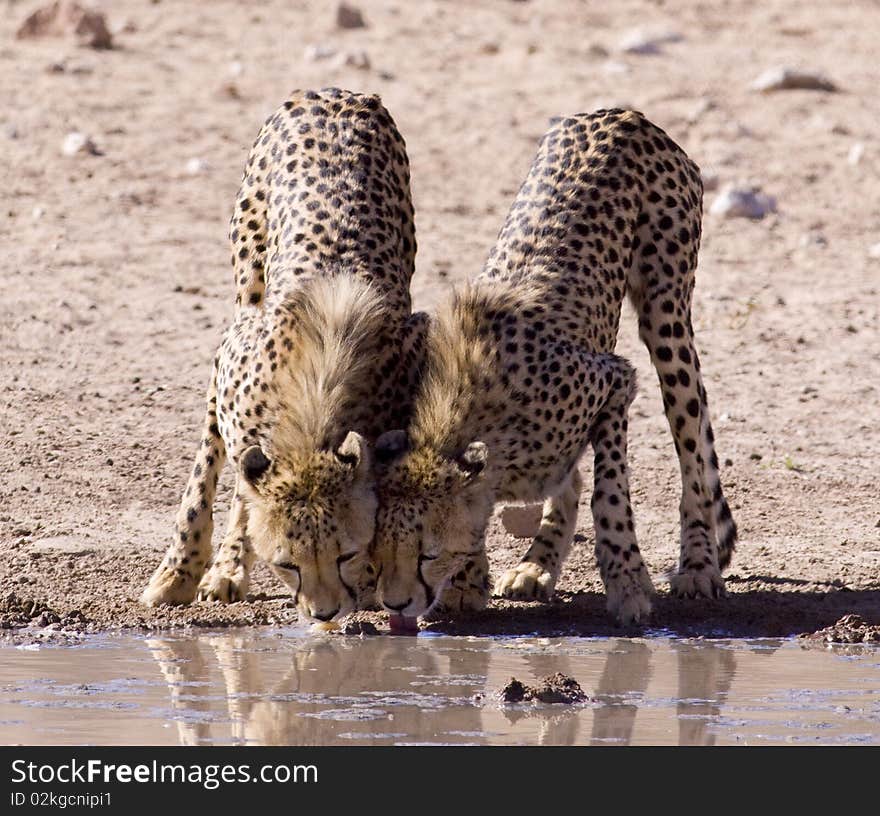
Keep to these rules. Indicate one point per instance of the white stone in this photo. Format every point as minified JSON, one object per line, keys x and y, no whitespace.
{"x":77,"y":142}
{"x":733,"y":202}
{"x":786,"y":79}
{"x":855,"y":153}
{"x":640,"y":41}
{"x":197,"y":165}
{"x":874,"y":251}
{"x":318,"y":52}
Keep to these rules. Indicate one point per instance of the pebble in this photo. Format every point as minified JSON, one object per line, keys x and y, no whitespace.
{"x":639,"y":41}
{"x":356,"y":59}
{"x":77,"y":142}
{"x":855,"y":154}
{"x":785,"y":79}
{"x":37,"y":212}
{"x":316,"y":53}
{"x":348,"y":16}
{"x":734,"y":202}
{"x":197,"y":165}
{"x":236,"y":69}
{"x":874,"y":251}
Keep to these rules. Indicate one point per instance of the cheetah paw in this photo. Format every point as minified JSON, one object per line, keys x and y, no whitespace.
{"x":522,"y":521}
{"x":527,"y":581}
{"x":629,"y":597}
{"x":706,"y":583}
{"x":169,"y":586}
{"x":224,"y":584}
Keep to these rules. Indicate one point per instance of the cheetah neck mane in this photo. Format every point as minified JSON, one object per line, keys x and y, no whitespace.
{"x":334,"y":324}
{"x":463,"y":383}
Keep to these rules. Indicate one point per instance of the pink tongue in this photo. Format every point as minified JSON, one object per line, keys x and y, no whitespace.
{"x":403,"y":625}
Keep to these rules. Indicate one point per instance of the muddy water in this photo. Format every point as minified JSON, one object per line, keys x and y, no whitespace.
{"x":291,"y":687}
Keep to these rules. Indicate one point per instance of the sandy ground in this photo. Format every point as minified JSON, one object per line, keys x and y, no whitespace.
{"x":116,"y":284}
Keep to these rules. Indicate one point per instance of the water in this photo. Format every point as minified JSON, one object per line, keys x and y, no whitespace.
{"x":292,"y":687}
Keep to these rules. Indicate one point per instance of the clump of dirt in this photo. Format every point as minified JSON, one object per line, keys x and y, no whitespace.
{"x":557,"y":688}
{"x":849,"y":629}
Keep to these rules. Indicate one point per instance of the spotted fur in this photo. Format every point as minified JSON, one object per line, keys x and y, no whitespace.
{"x":521,"y":378}
{"x":316,"y":362}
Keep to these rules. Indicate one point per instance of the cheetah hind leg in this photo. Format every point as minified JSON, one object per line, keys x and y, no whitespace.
{"x":534,"y":578}
{"x":228,"y":579}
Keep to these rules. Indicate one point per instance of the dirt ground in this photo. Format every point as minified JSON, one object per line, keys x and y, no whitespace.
{"x":116,"y":284}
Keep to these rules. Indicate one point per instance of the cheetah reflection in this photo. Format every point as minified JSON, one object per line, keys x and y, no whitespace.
{"x":330,"y":690}
{"x":335,"y":690}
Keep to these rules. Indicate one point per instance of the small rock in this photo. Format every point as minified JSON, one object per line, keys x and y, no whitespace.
{"x":76,"y":142}
{"x":67,"y":18}
{"x":10,"y":130}
{"x":490,"y":48}
{"x":349,"y":17}
{"x":597,"y":50}
{"x":37,"y":212}
{"x":197,"y":165}
{"x":316,"y":53}
{"x":855,"y":154}
{"x":728,"y":462}
{"x":755,"y":457}
{"x":643,"y":42}
{"x":613,"y":67}
{"x":356,"y":59}
{"x":733,"y":202}
{"x":236,"y":69}
{"x":813,"y":238}
{"x":874,"y":251}
{"x":786,"y":79}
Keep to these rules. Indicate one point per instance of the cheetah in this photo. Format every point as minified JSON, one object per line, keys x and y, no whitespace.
{"x":314,"y":364}
{"x":520,"y":377}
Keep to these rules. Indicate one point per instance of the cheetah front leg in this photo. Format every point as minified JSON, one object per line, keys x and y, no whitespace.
{"x":627,"y":584}
{"x":534,"y":578}
{"x":228,"y":578}
{"x":176,"y":579}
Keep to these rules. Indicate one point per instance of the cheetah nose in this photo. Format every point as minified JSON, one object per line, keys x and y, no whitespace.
{"x":323,"y":616}
{"x":397,"y":607}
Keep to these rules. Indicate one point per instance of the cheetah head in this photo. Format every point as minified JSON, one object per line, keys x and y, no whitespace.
{"x":432,"y":517}
{"x":312,"y":518}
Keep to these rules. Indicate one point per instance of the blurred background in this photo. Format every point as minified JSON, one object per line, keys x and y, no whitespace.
{"x":124,"y":127}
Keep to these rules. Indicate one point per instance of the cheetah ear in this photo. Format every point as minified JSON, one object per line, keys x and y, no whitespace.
{"x":354,"y":452}
{"x":391,"y":445}
{"x":473,"y":460}
{"x":254,"y":463}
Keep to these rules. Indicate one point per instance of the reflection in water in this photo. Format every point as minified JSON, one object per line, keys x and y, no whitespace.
{"x":705,"y":674}
{"x":396,"y":689}
{"x":284,"y":687}
{"x":624,"y":679}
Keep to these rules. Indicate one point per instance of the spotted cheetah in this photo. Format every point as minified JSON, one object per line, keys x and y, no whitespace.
{"x":520,"y":377}
{"x":315,"y":363}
